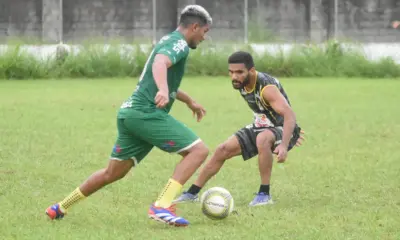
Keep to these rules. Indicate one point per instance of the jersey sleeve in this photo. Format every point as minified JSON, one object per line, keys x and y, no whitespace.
{"x":176,"y":50}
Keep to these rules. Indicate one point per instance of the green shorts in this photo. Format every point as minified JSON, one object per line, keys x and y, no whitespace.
{"x":139,"y":132}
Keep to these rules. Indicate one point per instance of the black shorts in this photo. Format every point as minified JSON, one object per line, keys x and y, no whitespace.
{"x":247,"y":139}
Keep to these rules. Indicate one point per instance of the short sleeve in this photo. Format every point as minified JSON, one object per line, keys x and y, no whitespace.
{"x":176,"y":50}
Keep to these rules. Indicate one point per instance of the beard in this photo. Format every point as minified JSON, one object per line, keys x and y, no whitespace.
{"x":239,"y":85}
{"x":192,"y":45}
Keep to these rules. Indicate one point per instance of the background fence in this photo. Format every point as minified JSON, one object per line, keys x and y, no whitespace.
{"x":72,"y":21}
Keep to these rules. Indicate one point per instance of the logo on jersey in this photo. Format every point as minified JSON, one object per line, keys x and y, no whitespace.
{"x":179,"y":46}
{"x":261,"y":120}
{"x":128,"y":103}
{"x":165,"y":38}
{"x":117,"y":148}
{"x":168,"y":144}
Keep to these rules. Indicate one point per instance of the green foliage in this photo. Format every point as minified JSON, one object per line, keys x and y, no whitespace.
{"x":330,"y":59}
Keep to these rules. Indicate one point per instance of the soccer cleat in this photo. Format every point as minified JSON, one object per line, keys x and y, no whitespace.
{"x":55,"y":212}
{"x":167,"y":215}
{"x":261,"y":199}
{"x":187,"y":197}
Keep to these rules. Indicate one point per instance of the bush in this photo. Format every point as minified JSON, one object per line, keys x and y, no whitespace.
{"x":95,"y":61}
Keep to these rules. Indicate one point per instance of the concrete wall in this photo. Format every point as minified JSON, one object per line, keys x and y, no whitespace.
{"x":284,"y":20}
{"x":129,"y":19}
{"x":20,"y":18}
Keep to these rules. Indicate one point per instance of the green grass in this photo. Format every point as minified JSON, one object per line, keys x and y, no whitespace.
{"x":342,"y":184}
{"x":331,"y":59}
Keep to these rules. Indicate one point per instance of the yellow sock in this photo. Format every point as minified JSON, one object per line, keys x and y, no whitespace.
{"x":71,"y":199}
{"x":168,"y":193}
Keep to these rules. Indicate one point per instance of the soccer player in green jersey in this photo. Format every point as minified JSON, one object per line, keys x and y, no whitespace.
{"x":143,"y":121}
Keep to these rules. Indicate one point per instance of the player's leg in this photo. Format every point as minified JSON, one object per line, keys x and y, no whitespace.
{"x":224,"y":151}
{"x":230,"y":148}
{"x":163,"y":209}
{"x":193,"y":157}
{"x":266,"y":142}
{"x":172,"y":136}
{"x":194,"y":153}
{"x":243,"y":142}
{"x":127,"y":152}
{"x":115,"y":170}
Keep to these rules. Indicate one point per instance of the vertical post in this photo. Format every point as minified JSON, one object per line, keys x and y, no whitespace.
{"x":154,"y":22}
{"x":335,"y":28}
{"x":61,"y":40}
{"x":246,"y":21}
{"x":259,"y":20}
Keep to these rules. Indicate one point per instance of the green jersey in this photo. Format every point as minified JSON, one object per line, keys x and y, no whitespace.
{"x":175,"y":47}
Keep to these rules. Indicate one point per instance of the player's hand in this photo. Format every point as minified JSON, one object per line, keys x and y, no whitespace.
{"x":282,"y":151}
{"x":197,"y":110}
{"x":301,"y":139}
{"x":161,"y":99}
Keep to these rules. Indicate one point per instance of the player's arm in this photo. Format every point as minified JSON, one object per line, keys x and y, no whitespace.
{"x":184,"y":97}
{"x":168,"y":55}
{"x":160,"y":67}
{"x":277,"y":101}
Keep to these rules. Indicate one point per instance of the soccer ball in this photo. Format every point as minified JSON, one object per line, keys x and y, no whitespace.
{"x":216,"y":203}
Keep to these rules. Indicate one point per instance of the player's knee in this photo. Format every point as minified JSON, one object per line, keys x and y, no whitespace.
{"x":265,"y":140}
{"x":201,"y":150}
{"x":204,"y":151}
{"x":224,"y":152}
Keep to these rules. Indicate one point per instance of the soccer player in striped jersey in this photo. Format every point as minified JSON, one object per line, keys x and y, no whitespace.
{"x":273,"y":131}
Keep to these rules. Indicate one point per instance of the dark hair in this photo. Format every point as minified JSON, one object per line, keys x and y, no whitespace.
{"x":242,"y":57}
{"x":194,"y":14}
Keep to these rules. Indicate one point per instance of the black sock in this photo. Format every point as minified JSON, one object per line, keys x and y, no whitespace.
{"x":264,"y":189}
{"x":194,"y":189}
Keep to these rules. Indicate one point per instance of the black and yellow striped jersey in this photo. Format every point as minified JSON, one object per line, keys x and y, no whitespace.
{"x":264,"y":114}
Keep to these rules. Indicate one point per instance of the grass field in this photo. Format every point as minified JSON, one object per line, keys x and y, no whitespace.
{"x":343,"y":183}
